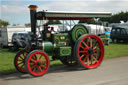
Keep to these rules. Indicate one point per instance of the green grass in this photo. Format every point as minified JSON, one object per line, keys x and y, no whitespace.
{"x":6,"y":61}
{"x":116,"y":50}
{"x":7,"y":57}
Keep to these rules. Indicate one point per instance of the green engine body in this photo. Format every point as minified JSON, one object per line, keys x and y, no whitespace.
{"x":59,"y":46}
{"x":62,"y":44}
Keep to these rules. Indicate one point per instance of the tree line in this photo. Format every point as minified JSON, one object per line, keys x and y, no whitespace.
{"x":3,"y":23}
{"x":115,"y":18}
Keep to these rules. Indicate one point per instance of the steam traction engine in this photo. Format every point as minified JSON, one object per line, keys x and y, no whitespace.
{"x":72,"y":47}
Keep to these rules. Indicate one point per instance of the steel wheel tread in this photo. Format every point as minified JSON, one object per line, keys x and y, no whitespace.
{"x":37,"y":66}
{"x":19,"y":61}
{"x":77,"y":52}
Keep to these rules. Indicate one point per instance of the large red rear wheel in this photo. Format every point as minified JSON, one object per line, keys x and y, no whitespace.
{"x":37,"y":63}
{"x":19,"y":61}
{"x":89,"y":51}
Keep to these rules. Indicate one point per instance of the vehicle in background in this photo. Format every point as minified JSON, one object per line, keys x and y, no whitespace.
{"x":94,"y":29}
{"x":119,"y":34}
{"x":19,"y":40}
{"x":101,"y":31}
{"x":7,"y":32}
{"x":107,"y":29}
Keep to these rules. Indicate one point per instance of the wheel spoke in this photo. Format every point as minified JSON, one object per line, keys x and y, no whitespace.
{"x":24,"y":55}
{"x":33,"y":67}
{"x":95,"y":47}
{"x":88,"y":61}
{"x":32,"y":63}
{"x":35,"y":57}
{"x":20,"y":63}
{"x":83,"y":51}
{"x":32,"y":60}
{"x":43,"y":66}
{"x":21,"y":57}
{"x":96,"y":54}
{"x":90,"y":42}
{"x":94,"y":43}
{"x":91,"y":59}
{"x":97,"y":50}
{"x":43,"y":62}
{"x":82,"y":56}
{"x":94,"y":58}
{"x":85,"y":58}
{"x":43,"y":59}
{"x":39,"y":69}
{"x":85,"y":44}
{"x":22,"y":66}
{"x":19,"y":60}
{"x":40,"y":57}
{"x":82,"y":47}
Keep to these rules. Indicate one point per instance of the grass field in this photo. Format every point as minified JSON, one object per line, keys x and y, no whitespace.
{"x":116,"y":50}
{"x":7,"y":58}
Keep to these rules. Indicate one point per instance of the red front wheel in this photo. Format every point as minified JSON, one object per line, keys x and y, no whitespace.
{"x":19,"y":61}
{"x":89,"y":51}
{"x":37,"y":63}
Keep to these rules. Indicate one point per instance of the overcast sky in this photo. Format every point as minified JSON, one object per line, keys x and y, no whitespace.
{"x":16,"y":11}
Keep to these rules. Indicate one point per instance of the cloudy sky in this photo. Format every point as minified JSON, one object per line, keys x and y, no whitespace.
{"x":16,"y":11}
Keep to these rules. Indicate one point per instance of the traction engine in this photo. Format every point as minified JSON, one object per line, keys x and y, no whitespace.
{"x":72,"y":47}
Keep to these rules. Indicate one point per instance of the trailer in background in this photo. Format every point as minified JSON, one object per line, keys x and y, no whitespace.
{"x":7,"y":32}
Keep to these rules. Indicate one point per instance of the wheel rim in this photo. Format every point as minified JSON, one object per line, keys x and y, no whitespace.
{"x":38,"y":63}
{"x":91,"y":51}
{"x":20,"y":61}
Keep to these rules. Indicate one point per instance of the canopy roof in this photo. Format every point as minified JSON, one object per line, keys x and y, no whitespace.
{"x":54,"y":15}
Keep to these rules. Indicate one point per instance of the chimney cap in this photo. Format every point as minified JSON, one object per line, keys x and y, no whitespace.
{"x":32,"y":7}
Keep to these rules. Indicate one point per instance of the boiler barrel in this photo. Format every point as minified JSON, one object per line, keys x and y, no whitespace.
{"x":47,"y":46}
